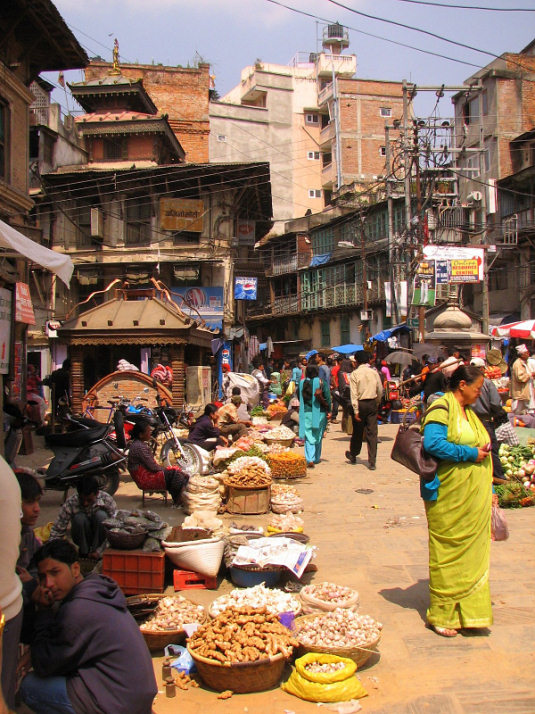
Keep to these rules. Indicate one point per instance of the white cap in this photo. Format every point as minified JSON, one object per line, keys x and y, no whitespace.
{"x":478,"y":362}
{"x":521,"y":349}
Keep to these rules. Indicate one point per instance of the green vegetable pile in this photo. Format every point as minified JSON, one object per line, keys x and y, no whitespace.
{"x":253,"y":451}
{"x":257,"y":411}
{"x":511,"y":495}
{"x":517,"y":462}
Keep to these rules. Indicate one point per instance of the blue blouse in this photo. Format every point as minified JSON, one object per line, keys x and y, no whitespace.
{"x":436,"y":444}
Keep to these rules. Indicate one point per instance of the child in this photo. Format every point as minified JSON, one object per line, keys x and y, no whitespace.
{"x":31,"y":493}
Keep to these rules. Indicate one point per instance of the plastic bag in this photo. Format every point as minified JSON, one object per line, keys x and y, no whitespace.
{"x":498,"y":525}
{"x":349,"y":688}
{"x":339,"y":675}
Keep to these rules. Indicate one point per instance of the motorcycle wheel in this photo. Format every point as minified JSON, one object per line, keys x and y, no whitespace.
{"x":190,"y":462}
{"x":108,"y":481}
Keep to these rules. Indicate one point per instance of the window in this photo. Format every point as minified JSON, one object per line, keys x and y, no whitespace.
{"x":471,"y":111}
{"x":382,"y":151}
{"x":313,"y":155}
{"x":312,"y":119}
{"x":82,"y":220}
{"x":326,"y":158}
{"x":115,"y":147}
{"x":484,"y":103}
{"x":325,"y":333}
{"x":323,"y":241}
{"x":385,"y":112}
{"x":344,"y":330}
{"x":138,"y":220}
{"x":4,"y":138}
{"x":314,"y":193}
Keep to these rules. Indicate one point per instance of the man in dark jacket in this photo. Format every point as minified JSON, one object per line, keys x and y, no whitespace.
{"x":88,"y":654}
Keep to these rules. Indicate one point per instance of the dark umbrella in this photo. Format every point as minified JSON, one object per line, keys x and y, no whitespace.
{"x":399,"y":357}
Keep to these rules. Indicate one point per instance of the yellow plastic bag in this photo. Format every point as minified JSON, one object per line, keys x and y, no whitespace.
{"x":290,"y":389}
{"x":325,"y":677}
{"x":43,"y":532}
{"x":331,"y":688}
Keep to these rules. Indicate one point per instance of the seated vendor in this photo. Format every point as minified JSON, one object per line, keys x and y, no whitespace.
{"x":147,"y":473}
{"x":205,"y":433}
{"x":229,"y":421}
{"x":84,"y":512}
{"x":291,"y":418}
{"x":87,"y":652}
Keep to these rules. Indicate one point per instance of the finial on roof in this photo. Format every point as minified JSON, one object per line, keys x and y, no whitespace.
{"x":115,"y":69}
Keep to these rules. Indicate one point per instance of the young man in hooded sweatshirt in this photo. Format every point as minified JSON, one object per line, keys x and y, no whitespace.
{"x":88,"y":654}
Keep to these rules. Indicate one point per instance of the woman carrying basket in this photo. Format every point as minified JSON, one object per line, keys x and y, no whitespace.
{"x":458,"y":508}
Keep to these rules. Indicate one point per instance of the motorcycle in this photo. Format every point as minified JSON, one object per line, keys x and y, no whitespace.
{"x":86,"y":451}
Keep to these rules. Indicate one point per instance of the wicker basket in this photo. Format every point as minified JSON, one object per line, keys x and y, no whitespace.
{"x":160,"y":639}
{"x":359,"y":655}
{"x":125,"y":541}
{"x":282,"y":442}
{"x":241,"y":677}
{"x":141,"y":606}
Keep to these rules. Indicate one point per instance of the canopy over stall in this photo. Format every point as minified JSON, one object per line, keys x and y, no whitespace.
{"x":524,"y":330}
{"x":11,"y":239}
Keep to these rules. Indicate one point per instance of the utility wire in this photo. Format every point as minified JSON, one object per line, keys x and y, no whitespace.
{"x":377,"y":37}
{"x":469,"y":7}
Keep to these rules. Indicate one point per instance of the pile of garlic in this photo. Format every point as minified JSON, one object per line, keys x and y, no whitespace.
{"x":338,"y":628}
{"x":275,"y":601}
{"x":172,"y":613}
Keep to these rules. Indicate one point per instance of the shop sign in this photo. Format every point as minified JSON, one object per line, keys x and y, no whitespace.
{"x":23,"y":304}
{"x":5,"y":329}
{"x":245,"y":288}
{"x":181,"y":214}
{"x":246,"y":232}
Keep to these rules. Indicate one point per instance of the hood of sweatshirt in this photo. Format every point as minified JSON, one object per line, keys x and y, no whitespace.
{"x":101,"y":589}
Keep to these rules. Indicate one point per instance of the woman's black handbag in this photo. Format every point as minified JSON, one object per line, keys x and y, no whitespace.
{"x":408,"y":450}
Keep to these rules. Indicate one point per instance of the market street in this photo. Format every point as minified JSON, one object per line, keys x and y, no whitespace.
{"x":370,"y":531}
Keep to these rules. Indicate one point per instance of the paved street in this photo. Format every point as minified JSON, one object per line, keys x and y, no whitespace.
{"x":370,"y":531}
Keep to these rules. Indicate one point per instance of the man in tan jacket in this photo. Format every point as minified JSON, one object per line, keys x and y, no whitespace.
{"x":366,"y":392}
{"x":520,"y":381}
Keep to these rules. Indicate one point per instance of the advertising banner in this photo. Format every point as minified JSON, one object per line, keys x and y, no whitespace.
{"x":457,"y":264}
{"x":5,"y":329}
{"x":245,"y":288}
{"x":200,"y":303}
{"x":23,"y":304}
{"x":246,"y":232}
{"x":181,"y":214}
{"x":424,"y":284}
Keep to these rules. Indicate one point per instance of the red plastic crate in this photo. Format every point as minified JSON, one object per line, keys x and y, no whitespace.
{"x":189,"y":580}
{"x":134,"y":570}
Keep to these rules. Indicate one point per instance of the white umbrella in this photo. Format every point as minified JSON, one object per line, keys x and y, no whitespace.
{"x":525,"y":330}
{"x":57,"y":263}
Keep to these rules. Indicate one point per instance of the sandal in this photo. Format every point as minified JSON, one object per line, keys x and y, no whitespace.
{"x":443,"y":631}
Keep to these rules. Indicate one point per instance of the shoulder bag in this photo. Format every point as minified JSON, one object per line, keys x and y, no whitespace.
{"x":408,"y":450}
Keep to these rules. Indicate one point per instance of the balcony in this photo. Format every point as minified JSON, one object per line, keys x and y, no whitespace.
{"x":286,"y":305}
{"x":325,"y":95}
{"x":327,"y":135}
{"x":328,"y":176}
{"x":282,"y":266}
{"x":343,"y":65}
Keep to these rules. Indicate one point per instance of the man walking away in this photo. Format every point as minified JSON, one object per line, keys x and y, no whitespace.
{"x":366,"y":393}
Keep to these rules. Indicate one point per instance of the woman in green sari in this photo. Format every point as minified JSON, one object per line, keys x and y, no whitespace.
{"x":458,"y":508}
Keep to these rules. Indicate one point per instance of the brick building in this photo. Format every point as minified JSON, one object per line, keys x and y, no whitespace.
{"x":180,"y":93}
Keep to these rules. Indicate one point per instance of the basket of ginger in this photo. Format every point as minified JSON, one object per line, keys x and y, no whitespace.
{"x":242,"y":649}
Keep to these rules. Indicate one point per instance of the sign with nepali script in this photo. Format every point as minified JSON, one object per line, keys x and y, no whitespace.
{"x":181,"y":214}
{"x":23,"y":304}
{"x":456,"y":264}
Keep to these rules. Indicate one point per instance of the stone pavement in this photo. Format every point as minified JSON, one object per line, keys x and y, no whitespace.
{"x":370,"y":531}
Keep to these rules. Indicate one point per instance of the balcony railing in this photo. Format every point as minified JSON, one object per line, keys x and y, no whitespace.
{"x":345,"y":65}
{"x":286,"y":305}
{"x":282,"y":266}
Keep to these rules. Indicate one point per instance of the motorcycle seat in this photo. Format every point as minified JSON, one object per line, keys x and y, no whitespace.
{"x":80,"y":437}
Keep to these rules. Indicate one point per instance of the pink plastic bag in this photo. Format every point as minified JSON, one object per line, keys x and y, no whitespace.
{"x":498,"y":525}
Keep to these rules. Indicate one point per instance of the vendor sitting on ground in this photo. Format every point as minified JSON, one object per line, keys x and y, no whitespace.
{"x":291,"y":418}
{"x":146,"y":472}
{"x":229,"y":421}
{"x":84,"y":512}
{"x":205,"y":433}
{"x":87,"y":653}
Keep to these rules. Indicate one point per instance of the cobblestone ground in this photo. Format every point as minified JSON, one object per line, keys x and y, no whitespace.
{"x":370,"y":532}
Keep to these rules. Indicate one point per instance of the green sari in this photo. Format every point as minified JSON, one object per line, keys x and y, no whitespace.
{"x":459,"y":527}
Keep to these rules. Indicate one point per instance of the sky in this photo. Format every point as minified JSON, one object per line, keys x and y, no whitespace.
{"x":231,"y":34}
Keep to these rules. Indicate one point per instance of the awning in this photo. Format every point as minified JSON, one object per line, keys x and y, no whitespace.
{"x":384,"y":335}
{"x":348,"y":349}
{"x":57,"y":263}
{"x":320,"y":260}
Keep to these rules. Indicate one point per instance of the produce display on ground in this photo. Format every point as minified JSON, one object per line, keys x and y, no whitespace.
{"x":287,"y":464}
{"x":339,"y":628}
{"x":518,"y":462}
{"x":172,"y":613}
{"x":276,"y":410}
{"x":285,"y":523}
{"x":275,"y":601}
{"x":244,"y":634}
{"x":514,"y":495}
{"x":279,"y":433}
{"x":328,"y":596}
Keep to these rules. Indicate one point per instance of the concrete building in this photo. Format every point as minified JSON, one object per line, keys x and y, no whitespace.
{"x":494,"y":118}
{"x":321,"y":129}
